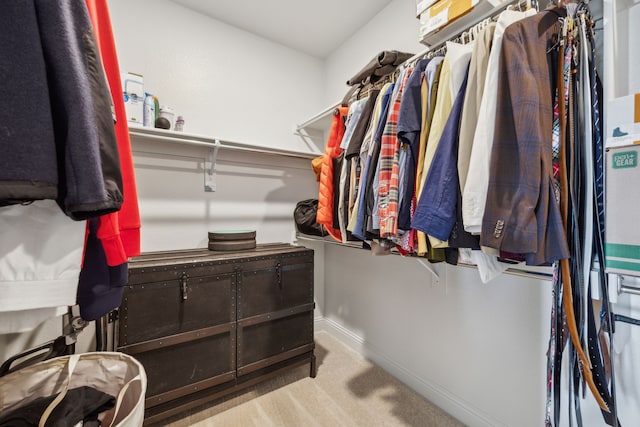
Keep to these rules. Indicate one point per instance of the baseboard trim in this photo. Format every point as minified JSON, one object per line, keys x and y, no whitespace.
{"x":448,"y":402}
{"x":319,"y":324}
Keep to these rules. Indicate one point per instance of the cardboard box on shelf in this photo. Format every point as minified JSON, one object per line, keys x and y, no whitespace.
{"x":622,"y":234}
{"x":133,"y":91}
{"x":422,"y":5}
{"x":623,"y":121}
{"x":443,"y":12}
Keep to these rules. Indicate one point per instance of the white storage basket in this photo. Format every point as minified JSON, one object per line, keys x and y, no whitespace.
{"x":117,"y":374}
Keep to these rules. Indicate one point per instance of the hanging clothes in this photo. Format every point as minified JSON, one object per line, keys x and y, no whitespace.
{"x":441,"y":112}
{"x":72,"y":155}
{"x":27,"y":171}
{"x":60,"y":85}
{"x":428,"y":95}
{"x":521,"y":214}
{"x":354,"y":161}
{"x":388,"y":190}
{"x":120,"y":232}
{"x":458,"y":56}
{"x":383,"y":64}
{"x":579,"y":157}
{"x":473,"y":98}
{"x":326,"y":189}
{"x":475,"y":191}
{"x":355,"y":113}
{"x":369,"y":157}
{"x":409,"y":121}
{"x":372,"y":217}
{"x":436,"y":211}
{"x":113,"y":238}
{"x":40,"y":257}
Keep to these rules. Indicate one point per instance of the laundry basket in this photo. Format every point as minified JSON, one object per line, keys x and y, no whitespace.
{"x":116,"y":374}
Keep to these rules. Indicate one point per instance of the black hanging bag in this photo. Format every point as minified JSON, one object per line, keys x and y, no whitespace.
{"x":304,"y":216}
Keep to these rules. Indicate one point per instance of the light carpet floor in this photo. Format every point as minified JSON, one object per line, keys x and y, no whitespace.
{"x":348,"y":391}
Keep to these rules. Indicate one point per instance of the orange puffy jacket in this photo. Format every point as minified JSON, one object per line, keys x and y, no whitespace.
{"x":325,"y":195}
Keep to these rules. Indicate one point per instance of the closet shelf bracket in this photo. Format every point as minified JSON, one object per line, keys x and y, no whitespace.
{"x":431,"y":270}
{"x":210,"y":167}
{"x":630,"y":287}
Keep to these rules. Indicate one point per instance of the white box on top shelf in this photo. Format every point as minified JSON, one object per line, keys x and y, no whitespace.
{"x":422,"y":5}
{"x":443,"y":12}
{"x":623,"y":121}
{"x":446,"y":19}
{"x":133,"y":91}
{"x":622,"y":234}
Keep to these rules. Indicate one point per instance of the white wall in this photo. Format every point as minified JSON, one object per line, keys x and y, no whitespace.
{"x":394,"y":28}
{"x":633,"y":52}
{"x":253,"y":191}
{"x":232,"y":85}
{"x":226,"y":82}
{"x":468,"y":347}
{"x":229,"y":84}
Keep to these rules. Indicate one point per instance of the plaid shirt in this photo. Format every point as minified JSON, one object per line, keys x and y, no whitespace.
{"x":388,"y":193}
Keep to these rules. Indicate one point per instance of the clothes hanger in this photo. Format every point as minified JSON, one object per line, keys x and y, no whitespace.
{"x":475,"y":31}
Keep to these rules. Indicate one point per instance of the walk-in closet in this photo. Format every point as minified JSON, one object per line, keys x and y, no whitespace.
{"x":320,"y":213}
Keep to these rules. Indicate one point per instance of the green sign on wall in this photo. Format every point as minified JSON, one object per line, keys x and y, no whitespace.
{"x":627,"y":159}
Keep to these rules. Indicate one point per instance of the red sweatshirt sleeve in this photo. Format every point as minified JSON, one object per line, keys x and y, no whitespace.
{"x":119,"y":232}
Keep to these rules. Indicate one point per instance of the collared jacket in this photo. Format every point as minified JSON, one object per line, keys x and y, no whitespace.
{"x":521,"y":214}
{"x":474,"y":195}
{"x":57,"y":138}
{"x":436,"y":211}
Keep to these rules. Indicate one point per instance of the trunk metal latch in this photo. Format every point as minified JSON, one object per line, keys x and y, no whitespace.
{"x":183,"y":285}
{"x":279,"y":274}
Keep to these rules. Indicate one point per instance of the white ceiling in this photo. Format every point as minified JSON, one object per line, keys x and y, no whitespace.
{"x":316,"y":27}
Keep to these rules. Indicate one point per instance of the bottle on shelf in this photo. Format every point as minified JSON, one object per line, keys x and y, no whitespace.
{"x":179,"y":124}
{"x":148,"y":112}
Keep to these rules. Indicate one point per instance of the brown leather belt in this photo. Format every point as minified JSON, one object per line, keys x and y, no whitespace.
{"x":567,"y":291}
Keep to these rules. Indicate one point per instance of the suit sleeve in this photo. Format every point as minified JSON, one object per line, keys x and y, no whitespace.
{"x":522,"y":125}
{"x":521,"y":212}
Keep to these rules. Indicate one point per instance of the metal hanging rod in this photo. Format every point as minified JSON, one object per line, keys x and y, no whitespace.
{"x":629,"y":289}
{"x":633,"y":289}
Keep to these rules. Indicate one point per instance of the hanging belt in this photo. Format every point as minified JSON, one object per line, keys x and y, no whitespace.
{"x":607,"y":318}
{"x":567,"y":291}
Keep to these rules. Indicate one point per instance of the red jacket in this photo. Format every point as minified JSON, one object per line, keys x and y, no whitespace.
{"x":326,"y":193}
{"x":119,"y":232}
